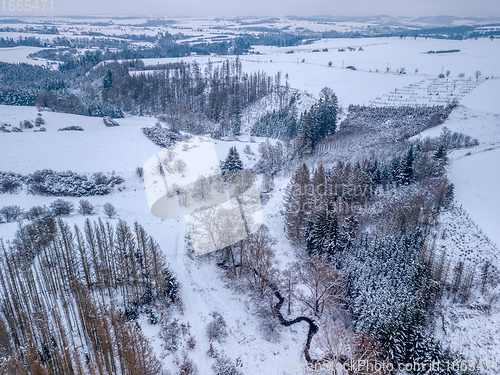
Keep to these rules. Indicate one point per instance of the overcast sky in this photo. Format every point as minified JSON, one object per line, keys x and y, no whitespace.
{"x":224,"y":8}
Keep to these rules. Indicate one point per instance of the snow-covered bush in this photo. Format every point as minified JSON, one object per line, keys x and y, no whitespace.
{"x":11,"y":213}
{"x":61,"y":207}
{"x":38,"y":212}
{"x":26,"y":124}
{"x":224,"y":366}
{"x":10,"y":182}
{"x":85,"y":207}
{"x":48,"y":182}
{"x":188,"y":367}
{"x":163,"y":137}
{"x":72,"y":127}
{"x":216,"y":329}
{"x":109,"y":210}
{"x":39,"y":121}
{"x":109,"y":122}
{"x":4,"y":128}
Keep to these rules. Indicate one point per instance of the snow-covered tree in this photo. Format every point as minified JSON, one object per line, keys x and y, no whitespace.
{"x":233,"y":161}
{"x":109,"y":210}
{"x":296,"y":205}
{"x":85,"y":207}
{"x":61,"y":207}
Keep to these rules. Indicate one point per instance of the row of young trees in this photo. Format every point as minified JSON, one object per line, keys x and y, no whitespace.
{"x":69,"y":295}
{"x":59,"y":207}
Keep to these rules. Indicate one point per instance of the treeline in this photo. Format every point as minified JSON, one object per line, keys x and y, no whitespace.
{"x":360,"y":189}
{"x":69,"y":298}
{"x":58,"y":207}
{"x":21,"y":82}
{"x":30,"y":41}
{"x":32,"y":30}
{"x":90,"y":85}
{"x":219,"y":93}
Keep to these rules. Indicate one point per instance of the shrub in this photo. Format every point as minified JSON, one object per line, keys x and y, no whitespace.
{"x":37,"y":212}
{"x":216,"y":329}
{"x":61,"y":207}
{"x":187,"y":367}
{"x":39,"y":121}
{"x":48,"y":182}
{"x":163,"y":137}
{"x":73,"y":127}
{"x":26,"y":124}
{"x":109,"y":122}
{"x":85,"y":207}
{"x":11,"y":213}
{"x":10,"y":182}
{"x":139,"y":171}
{"x":109,"y":210}
{"x":131,"y":312}
{"x":224,"y":366}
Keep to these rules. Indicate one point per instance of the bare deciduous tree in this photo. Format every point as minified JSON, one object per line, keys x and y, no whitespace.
{"x":323,"y":284}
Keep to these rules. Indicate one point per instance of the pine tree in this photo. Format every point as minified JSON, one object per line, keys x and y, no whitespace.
{"x":406,"y":175}
{"x":327,"y":112}
{"x":308,"y":131}
{"x":322,"y":234}
{"x":297,"y":201}
{"x":349,"y":230}
{"x":311,"y":238}
{"x":233,"y":161}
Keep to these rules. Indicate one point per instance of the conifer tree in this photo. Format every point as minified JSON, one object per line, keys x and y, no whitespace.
{"x":297,"y":202}
{"x":233,"y":161}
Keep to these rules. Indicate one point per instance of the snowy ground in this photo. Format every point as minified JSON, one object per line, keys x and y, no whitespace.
{"x":476,"y":172}
{"x":122,"y":149}
{"x":310,"y":71}
{"x":470,"y":233}
{"x":20,"y":55}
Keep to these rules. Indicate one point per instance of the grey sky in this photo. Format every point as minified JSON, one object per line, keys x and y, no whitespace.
{"x":212,"y":8}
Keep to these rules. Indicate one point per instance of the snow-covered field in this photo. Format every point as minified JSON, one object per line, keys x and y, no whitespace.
{"x":20,"y":55}
{"x":310,"y":71}
{"x":122,"y":149}
{"x":470,"y":233}
{"x":476,"y":172}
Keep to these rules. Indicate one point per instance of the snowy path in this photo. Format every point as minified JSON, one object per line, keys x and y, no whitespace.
{"x":195,"y":305}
